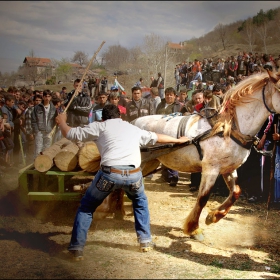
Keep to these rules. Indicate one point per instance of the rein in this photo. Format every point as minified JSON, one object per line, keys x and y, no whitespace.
{"x":263,"y":96}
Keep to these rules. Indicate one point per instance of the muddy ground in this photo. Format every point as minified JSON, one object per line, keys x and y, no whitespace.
{"x":243,"y":245}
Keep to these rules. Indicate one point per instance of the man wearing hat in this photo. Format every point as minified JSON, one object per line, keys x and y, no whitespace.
{"x":122,"y":101}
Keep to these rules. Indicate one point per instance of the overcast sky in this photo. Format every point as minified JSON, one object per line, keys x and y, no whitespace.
{"x":56,"y":29}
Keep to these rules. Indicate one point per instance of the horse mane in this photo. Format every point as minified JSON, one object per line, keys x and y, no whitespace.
{"x":238,"y":95}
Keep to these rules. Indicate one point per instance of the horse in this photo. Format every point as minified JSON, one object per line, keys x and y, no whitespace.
{"x":221,"y":147}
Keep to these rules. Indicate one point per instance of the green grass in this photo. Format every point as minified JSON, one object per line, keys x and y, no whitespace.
{"x":275,"y":268}
{"x":217,"y":263}
{"x":56,"y":87}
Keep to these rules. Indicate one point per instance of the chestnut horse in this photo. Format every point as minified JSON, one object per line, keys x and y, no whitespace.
{"x":220,"y":149}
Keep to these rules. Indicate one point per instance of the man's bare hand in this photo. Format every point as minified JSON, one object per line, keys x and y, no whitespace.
{"x":61,"y":118}
{"x":183,"y":139}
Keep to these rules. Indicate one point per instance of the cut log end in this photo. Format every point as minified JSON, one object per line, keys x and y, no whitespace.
{"x":43,"y":163}
{"x":66,"y":161}
{"x":89,"y":157}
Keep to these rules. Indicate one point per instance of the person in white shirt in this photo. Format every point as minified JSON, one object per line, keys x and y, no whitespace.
{"x":118,"y":143}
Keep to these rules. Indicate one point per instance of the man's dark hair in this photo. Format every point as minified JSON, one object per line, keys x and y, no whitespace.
{"x":11,"y":89}
{"x":265,"y":57}
{"x":55,"y":100}
{"x":216,"y":87}
{"x":9,"y":97}
{"x":22,"y":103}
{"x":136,"y":88}
{"x":197,"y":91}
{"x":37,"y":96}
{"x":63,"y":88}
{"x":170,"y":89}
{"x":102,"y":93}
{"x":110,"y":111}
{"x":47,"y":92}
{"x":77,"y":81}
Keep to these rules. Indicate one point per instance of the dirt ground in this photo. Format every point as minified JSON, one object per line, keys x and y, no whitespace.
{"x":243,"y":245}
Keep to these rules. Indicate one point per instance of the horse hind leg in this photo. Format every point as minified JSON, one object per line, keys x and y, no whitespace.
{"x":234,"y":192}
{"x":191,"y":225}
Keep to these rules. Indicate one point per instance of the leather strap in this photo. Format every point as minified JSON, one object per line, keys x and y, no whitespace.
{"x":108,"y":169}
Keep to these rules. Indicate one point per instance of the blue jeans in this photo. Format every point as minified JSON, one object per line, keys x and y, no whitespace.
{"x":168,"y":173}
{"x":102,"y":185}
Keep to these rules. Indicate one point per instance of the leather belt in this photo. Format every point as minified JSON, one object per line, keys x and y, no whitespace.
{"x":108,"y":169}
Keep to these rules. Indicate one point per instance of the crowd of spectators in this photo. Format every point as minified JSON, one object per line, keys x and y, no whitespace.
{"x":28,"y":117}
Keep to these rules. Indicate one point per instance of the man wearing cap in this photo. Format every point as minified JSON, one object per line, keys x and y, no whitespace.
{"x":118,"y":170}
{"x":139,"y":106}
{"x":122,"y":100}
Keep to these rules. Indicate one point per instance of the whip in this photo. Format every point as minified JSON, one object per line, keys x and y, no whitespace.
{"x":77,"y":89}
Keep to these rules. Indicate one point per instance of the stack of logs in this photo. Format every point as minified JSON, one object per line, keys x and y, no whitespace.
{"x":67,"y":156}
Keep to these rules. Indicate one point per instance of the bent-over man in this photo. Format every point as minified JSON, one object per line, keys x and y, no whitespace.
{"x":118,"y":143}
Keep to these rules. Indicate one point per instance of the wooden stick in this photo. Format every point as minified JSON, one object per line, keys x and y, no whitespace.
{"x":80,"y":84}
{"x":272,"y":170}
{"x":21,"y":149}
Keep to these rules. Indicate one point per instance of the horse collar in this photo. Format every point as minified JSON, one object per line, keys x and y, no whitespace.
{"x":263,"y":96}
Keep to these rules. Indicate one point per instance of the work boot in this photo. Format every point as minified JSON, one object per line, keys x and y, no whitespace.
{"x":173,"y":181}
{"x":146,"y":247}
{"x":77,"y":255}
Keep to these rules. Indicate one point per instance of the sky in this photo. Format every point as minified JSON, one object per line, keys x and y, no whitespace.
{"x":56,"y":29}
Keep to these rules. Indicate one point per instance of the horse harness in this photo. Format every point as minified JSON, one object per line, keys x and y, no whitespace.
{"x":246,"y":141}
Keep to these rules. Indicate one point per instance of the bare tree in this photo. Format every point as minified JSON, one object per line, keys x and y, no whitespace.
{"x":249,"y":33}
{"x":222,"y":34}
{"x":80,"y":58}
{"x":154,"y":50}
{"x":135,"y":53}
{"x":247,"y":28}
{"x":261,"y":30}
{"x":261,"y":24}
{"x":114,"y":56}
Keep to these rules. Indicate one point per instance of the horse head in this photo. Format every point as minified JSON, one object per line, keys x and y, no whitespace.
{"x":274,"y":77}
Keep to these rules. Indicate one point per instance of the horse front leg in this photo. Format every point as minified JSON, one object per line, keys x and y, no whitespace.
{"x":234,"y":193}
{"x":191,"y":225}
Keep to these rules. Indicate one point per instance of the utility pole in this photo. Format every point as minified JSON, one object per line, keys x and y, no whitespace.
{"x":165,"y":63}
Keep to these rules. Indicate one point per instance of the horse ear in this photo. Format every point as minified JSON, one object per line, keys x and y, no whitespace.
{"x":273,"y":76}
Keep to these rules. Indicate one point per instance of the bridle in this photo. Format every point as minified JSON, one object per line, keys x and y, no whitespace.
{"x":264,"y":102}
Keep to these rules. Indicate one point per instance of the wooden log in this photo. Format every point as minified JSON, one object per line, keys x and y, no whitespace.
{"x":67,"y":158}
{"x":89,"y":157}
{"x":44,"y":161}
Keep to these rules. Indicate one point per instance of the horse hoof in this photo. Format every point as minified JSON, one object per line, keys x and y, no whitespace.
{"x":210,"y":219}
{"x":197,"y":235}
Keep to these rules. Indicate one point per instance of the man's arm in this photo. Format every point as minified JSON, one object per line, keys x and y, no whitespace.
{"x":163,"y":138}
{"x":61,"y":122}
